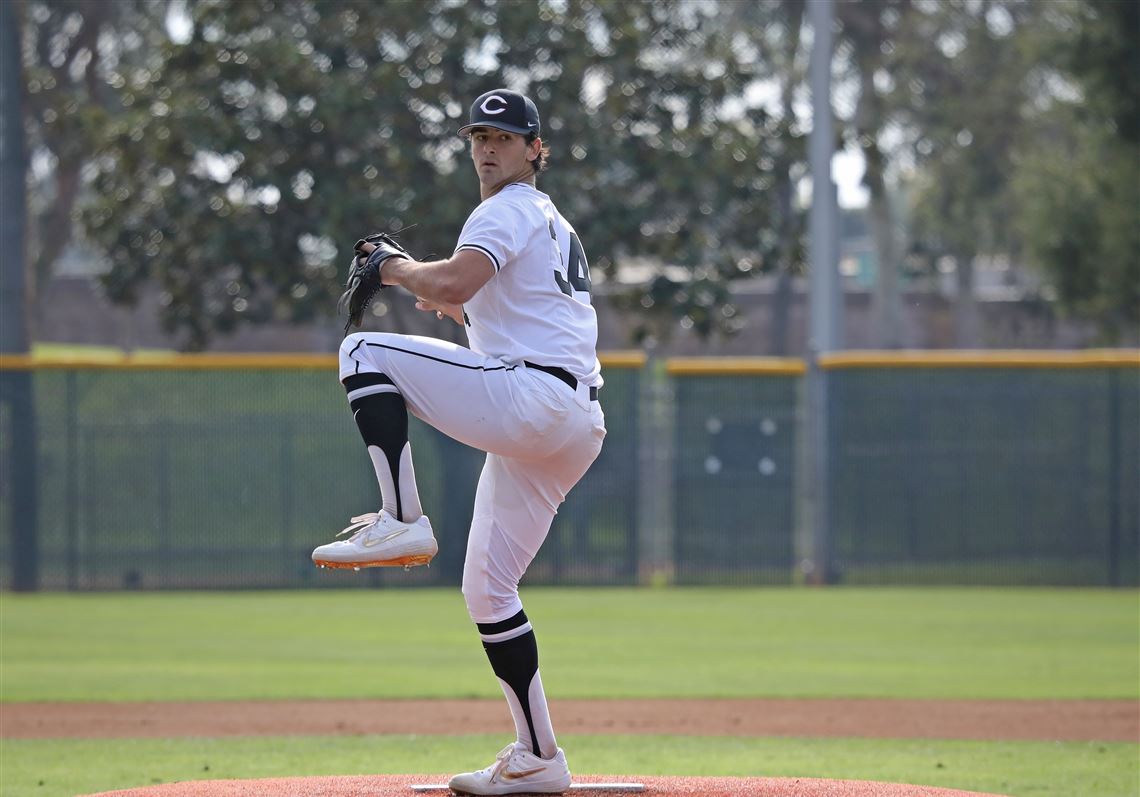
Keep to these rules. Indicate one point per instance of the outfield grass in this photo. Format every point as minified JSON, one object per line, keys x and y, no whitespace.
{"x":695,"y":642}
{"x":1021,"y":769}
{"x":848,"y":642}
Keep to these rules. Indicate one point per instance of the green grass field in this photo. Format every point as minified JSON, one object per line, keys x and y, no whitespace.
{"x":1024,"y":769}
{"x":915,"y":643}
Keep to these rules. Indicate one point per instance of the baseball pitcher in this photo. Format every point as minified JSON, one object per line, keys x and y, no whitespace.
{"x":525,"y":391}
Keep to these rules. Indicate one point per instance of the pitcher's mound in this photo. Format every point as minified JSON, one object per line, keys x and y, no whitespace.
{"x":400,"y":786}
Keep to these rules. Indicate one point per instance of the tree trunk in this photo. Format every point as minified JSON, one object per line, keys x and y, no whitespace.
{"x":885,"y":315}
{"x":778,"y":329}
{"x":967,"y":318}
{"x":14,"y":282}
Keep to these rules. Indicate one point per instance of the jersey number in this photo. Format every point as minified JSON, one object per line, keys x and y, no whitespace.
{"x":577,"y":269}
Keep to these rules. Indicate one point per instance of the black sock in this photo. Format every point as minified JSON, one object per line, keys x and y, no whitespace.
{"x":382,"y":417}
{"x":513,"y":652}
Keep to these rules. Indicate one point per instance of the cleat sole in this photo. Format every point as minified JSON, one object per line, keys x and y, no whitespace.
{"x":403,"y":561}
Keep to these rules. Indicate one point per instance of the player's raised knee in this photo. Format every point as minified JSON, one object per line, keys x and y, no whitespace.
{"x":488,"y":602}
{"x":350,"y":345}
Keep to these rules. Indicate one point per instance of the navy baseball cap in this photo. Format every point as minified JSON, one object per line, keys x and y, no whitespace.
{"x":504,"y":110}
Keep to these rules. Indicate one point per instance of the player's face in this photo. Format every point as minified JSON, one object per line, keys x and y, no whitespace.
{"x":501,"y":157}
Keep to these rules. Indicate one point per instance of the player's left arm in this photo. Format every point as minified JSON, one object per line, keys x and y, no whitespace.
{"x":451,"y":281}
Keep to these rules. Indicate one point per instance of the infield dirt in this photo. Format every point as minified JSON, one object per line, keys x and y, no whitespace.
{"x":1061,"y":720}
{"x":1107,"y":720}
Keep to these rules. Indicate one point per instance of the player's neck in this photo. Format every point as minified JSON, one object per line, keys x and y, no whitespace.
{"x":526,"y":176}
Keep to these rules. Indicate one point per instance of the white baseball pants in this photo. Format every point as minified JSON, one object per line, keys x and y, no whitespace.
{"x":540,"y":437}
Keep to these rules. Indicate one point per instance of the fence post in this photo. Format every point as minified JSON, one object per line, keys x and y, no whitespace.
{"x":285,"y":456}
{"x":165,"y":477}
{"x":71,"y":485}
{"x":633,"y":422}
{"x":825,"y":333}
{"x":813,"y":499}
{"x":1115,"y":496}
{"x":16,"y":386}
{"x":22,"y":467}
{"x":655,"y":495}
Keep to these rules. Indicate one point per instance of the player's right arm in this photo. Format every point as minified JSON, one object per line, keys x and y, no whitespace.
{"x":451,"y":281}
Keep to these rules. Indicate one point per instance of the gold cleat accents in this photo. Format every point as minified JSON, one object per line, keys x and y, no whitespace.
{"x":406,"y":562}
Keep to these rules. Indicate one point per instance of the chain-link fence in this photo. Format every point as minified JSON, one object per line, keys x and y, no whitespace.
{"x":219,"y":477}
{"x":965,"y":475}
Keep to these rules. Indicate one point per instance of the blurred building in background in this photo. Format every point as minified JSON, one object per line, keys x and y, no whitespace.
{"x":73,"y":310}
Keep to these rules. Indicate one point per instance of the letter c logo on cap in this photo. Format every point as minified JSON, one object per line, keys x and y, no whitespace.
{"x":487,"y":110}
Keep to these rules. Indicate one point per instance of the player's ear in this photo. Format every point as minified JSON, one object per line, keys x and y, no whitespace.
{"x":535,"y":147}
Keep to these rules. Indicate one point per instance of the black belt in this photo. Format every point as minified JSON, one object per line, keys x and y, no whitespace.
{"x":562,"y":374}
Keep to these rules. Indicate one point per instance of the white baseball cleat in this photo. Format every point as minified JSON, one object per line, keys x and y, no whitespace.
{"x":516,"y":771}
{"x":379,"y":540}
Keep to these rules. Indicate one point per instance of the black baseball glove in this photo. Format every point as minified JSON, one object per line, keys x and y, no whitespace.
{"x":364,"y":275}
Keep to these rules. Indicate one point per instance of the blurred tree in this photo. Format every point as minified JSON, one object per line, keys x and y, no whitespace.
{"x":978,"y":98}
{"x":1078,"y":181}
{"x":969,"y":94}
{"x":871,"y":38}
{"x":254,"y":153}
{"x":780,"y":46}
{"x":232,"y":163}
{"x":1105,"y":59}
{"x":75,"y":53}
{"x":942,"y":88}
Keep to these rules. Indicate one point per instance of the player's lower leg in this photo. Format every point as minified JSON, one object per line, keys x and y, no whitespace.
{"x":400,"y":534}
{"x":533,"y":764}
{"x":512,"y":650}
{"x":381,"y":415}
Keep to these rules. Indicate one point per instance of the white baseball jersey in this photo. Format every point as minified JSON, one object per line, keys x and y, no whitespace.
{"x":536,"y":307}
{"x":540,"y":436}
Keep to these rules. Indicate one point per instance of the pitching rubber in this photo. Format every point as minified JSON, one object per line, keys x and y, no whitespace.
{"x":400,"y":786}
{"x":624,"y":788}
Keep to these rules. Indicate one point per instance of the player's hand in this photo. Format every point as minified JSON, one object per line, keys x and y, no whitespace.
{"x":364,"y":274}
{"x":441,"y":309}
{"x":365,"y":248}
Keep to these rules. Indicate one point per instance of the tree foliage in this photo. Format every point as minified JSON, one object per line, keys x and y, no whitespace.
{"x":1077,"y":187}
{"x":1015,"y":116}
{"x":248,"y":160}
{"x":76,"y":53}
{"x":234,"y":166}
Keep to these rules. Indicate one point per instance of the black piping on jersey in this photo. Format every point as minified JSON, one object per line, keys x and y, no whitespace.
{"x":428,"y":357}
{"x":487,"y":252}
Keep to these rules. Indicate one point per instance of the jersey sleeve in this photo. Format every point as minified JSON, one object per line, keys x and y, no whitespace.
{"x":496,"y":230}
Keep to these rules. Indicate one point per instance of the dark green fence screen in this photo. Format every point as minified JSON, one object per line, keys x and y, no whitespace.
{"x":174,"y":477}
{"x":209,"y":478}
{"x":734,"y":466}
{"x":985,"y":475}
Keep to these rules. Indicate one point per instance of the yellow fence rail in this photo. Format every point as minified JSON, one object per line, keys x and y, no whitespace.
{"x":1090,"y":358}
{"x":675,"y":366}
{"x":221,"y":362}
{"x":734,"y":366}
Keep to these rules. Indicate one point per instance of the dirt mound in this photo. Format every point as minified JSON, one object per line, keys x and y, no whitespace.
{"x":400,"y":786}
